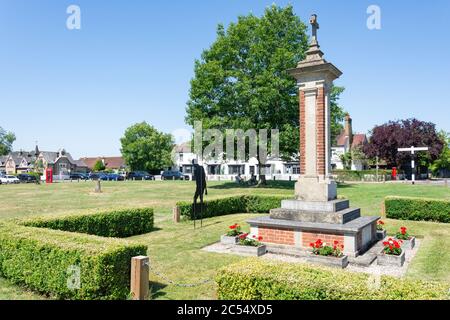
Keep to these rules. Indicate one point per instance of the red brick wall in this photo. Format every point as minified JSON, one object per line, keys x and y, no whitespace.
{"x":302,"y":133}
{"x":321,"y":131}
{"x":308,"y":237}
{"x":277,"y":236}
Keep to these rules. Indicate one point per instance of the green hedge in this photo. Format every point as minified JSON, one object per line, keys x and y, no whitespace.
{"x":120,"y":223}
{"x":255,"y":279}
{"x":237,"y":204}
{"x":40,"y":259}
{"x":354,"y":175}
{"x":417,"y":209}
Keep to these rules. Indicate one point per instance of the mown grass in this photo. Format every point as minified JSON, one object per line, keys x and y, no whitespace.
{"x":174,"y":249}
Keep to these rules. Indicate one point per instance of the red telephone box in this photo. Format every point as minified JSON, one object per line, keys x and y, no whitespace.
{"x":394,"y":173}
{"x":49,"y":175}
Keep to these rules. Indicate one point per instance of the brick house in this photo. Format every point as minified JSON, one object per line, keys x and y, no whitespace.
{"x":345,"y":143}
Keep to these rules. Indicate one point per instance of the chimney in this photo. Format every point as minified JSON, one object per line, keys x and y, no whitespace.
{"x":348,"y":129}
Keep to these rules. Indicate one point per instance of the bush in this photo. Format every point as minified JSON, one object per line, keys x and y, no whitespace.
{"x":417,"y":209}
{"x":255,"y":279}
{"x":41,"y":259}
{"x":120,"y":223}
{"x":238,"y":204}
{"x":354,"y":175}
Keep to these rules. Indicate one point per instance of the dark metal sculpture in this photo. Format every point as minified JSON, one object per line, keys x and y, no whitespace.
{"x":200,"y":182}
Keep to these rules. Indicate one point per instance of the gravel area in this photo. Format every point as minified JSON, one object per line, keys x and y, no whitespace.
{"x":373,"y":269}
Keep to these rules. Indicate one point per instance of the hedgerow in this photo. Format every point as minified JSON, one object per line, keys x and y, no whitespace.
{"x":255,"y":279}
{"x":44,"y":260}
{"x":231,"y":205}
{"x":417,"y":209}
{"x":118,"y":223}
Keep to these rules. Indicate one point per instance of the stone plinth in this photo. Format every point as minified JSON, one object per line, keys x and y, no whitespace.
{"x":357,"y":236}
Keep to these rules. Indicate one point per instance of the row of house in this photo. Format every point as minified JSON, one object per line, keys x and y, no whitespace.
{"x":61,"y":162}
{"x":275,"y":167}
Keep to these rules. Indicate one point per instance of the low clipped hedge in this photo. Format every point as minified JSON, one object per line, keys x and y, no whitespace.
{"x":40,"y":259}
{"x":119,"y":223}
{"x":230,"y":205}
{"x":262,"y":280}
{"x":417,"y":209}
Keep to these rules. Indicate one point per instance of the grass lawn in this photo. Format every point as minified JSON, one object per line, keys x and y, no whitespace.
{"x":174,"y":249}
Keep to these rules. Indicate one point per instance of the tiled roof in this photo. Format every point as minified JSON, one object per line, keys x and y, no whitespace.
{"x":110,"y":162}
{"x":359,"y":139}
{"x":184,"y":148}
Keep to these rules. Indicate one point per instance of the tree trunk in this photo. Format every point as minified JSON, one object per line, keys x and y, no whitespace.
{"x":262,"y":174}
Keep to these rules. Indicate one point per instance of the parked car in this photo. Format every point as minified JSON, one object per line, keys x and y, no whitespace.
{"x":9,"y":179}
{"x":97,"y":175}
{"x":26,"y":178}
{"x":79,"y":176}
{"x":140,"y":175}
{"x":173,"y":175}
{"x":112,"y":177}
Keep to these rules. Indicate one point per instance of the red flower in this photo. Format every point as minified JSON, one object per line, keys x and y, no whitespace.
{"x":311,"y":244}
{"x":234,"y":226}
{"x":336,"y":242}
{"x":380,"y":222}
{"x":403,"y":230}
{"x":260,"y":238}
{"x":243,"y":236}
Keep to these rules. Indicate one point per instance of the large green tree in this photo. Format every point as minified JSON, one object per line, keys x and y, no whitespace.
{"x":241,"y":81}
{"x":6,"y":141}
{"x":145,"y":148}
{"x":442,"y":163}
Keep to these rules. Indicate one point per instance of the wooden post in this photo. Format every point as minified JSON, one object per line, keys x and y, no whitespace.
{"x":176,"y":214}
{"x":139,"y":278}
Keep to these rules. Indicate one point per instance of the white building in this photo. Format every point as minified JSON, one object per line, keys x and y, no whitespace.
{"x":345,"y":143}
{"x":228,"y":170}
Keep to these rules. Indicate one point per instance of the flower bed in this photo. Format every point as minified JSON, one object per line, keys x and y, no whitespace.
{"x":392,"y":254}
{"x":408,"y":241}
{"x":250,"y":245}
{"x":232,"y":236}
{"x":327,"y":255}
{"x":381,"y":231}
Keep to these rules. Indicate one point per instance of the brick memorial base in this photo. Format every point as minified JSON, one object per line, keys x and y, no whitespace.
{"x":297,"y":228}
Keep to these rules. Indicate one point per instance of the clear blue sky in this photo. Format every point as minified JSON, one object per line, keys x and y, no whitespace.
{"x":133,"y":60}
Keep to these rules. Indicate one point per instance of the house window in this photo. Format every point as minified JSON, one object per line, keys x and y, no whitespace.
{"x":181,"y":156}
{"x":236,"y":169}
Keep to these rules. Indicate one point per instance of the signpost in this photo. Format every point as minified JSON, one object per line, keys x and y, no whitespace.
{"x":413,"y":151}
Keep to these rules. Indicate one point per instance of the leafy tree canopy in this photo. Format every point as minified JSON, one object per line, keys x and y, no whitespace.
{"x":241,"y":81}
{"x":443,"y":161}
{"x":145,"y":148}
{"x":6,"y":141}
{"x":99,"y":166}
{"x":387,"y":138}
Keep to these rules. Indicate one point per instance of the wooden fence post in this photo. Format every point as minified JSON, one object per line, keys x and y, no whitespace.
{"x":139,"y":278}
{"x":176,"y":214}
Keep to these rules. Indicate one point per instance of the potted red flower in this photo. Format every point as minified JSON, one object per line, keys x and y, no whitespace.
{"x":328,"y":254}
{"x":250,"y":244}
{"x":392,"y":253}
{"x":381,"y":231}
{"x":409,"y":242}
{"x":232,"y":235}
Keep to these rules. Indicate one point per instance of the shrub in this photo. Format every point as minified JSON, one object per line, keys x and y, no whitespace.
{"x":119,"y":223}
{"x":255,"y":279}
{"x":230,"y":205}
{"x":40,"y":259}
{"x":417,"y":209}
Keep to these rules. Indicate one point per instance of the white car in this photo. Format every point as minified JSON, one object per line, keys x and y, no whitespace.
{"x":9,"y":179}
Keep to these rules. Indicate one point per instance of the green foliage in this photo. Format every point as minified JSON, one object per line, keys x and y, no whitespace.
{"x":238,"y":204}
{"x":254,"y":279}
{"x":417,"y":209}
{"x":40,"y":259}
{"x":443,"y":162}
{"x":145,"y":148}
{"x":241,"y":81}
{"x":354,"y":175}
{"x":6,"y":141}
{"x":99,"y":166}
{"x":119,"y":224}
